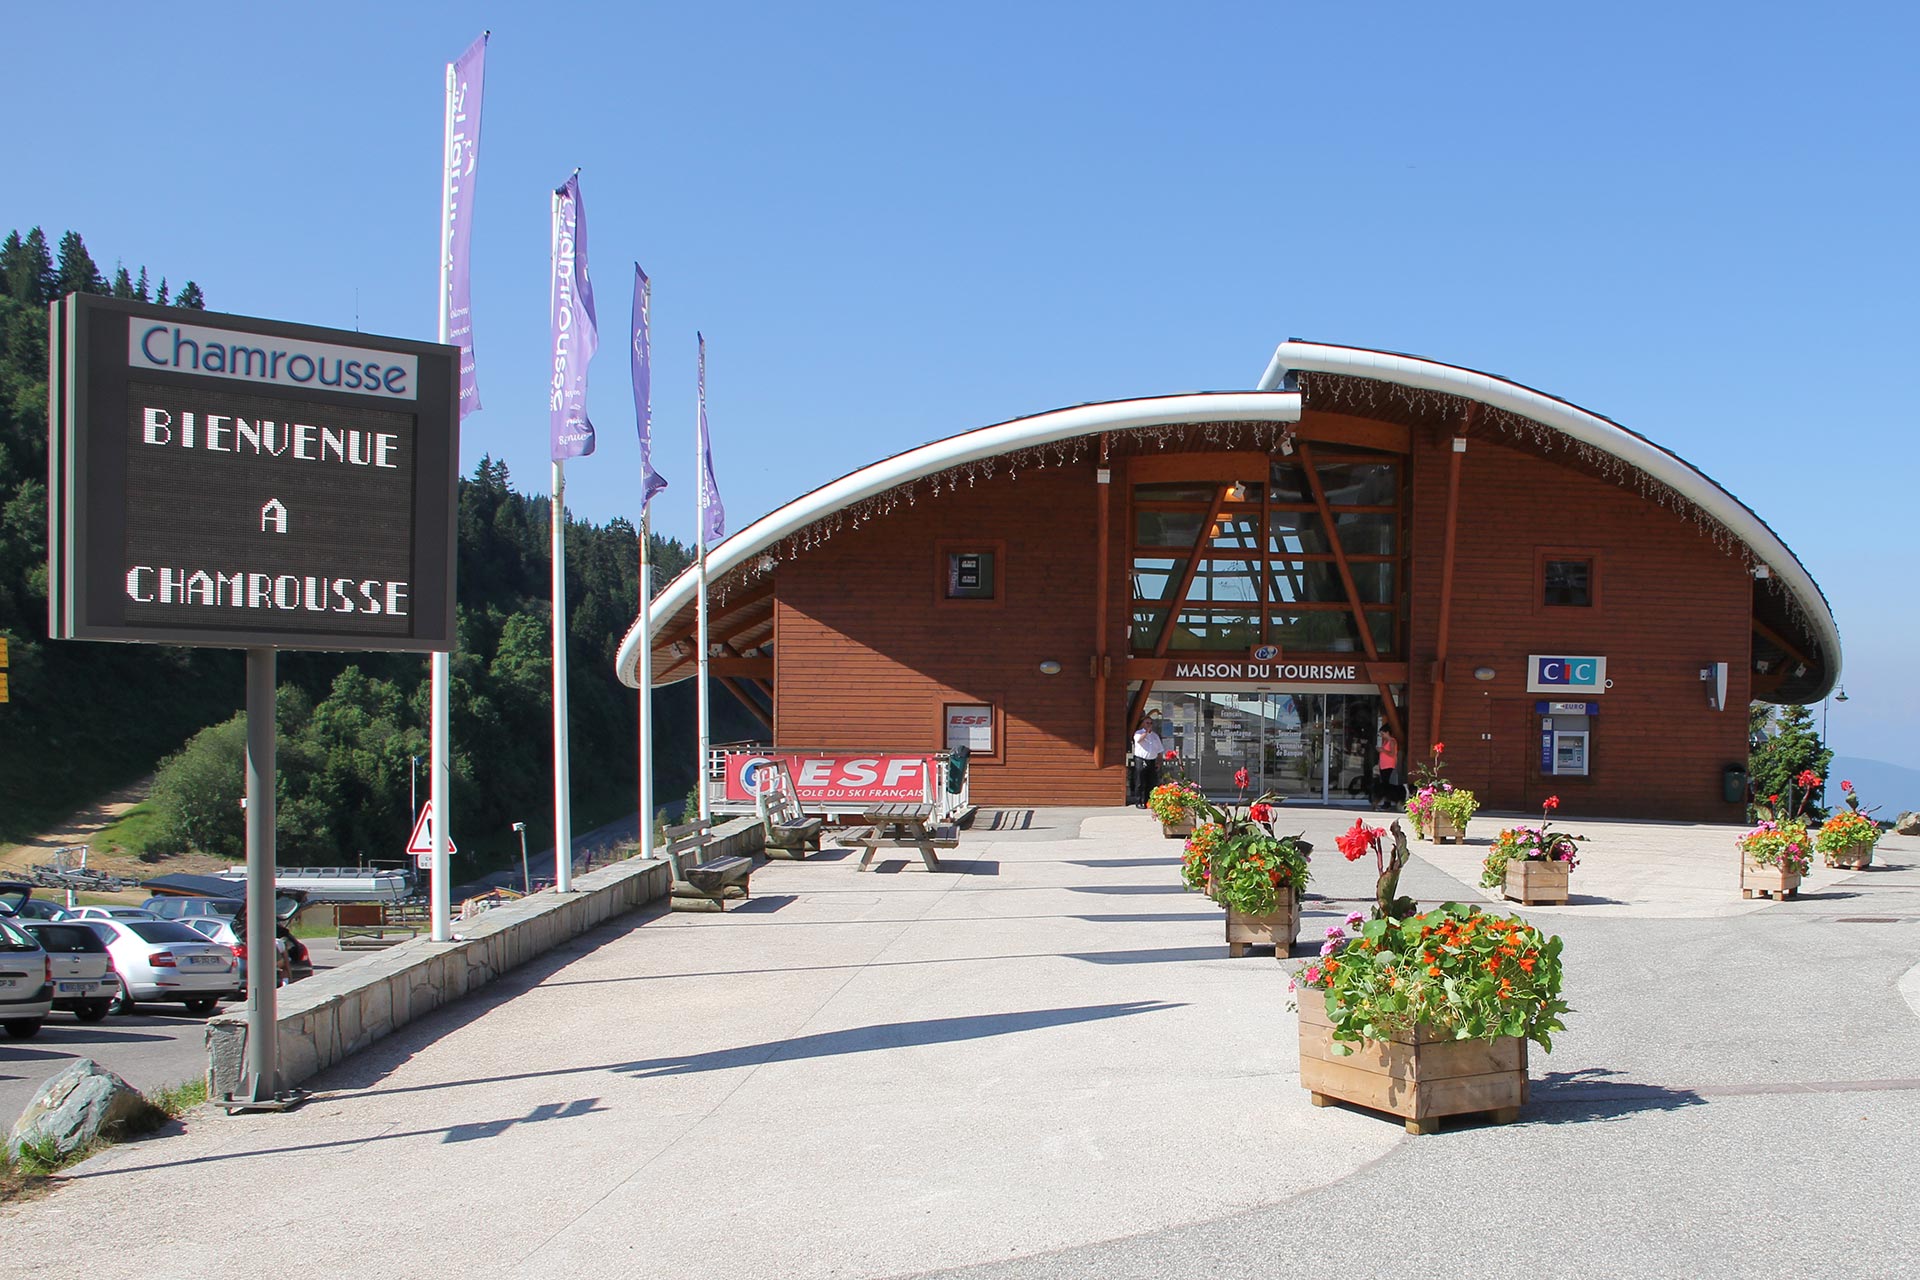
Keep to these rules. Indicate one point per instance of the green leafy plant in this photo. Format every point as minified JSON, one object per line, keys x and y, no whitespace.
{"x":1254,"y":870}
{"x":1357,"y":842}
{"x":1848,"y":830}
{"x":1456,"y":969}
{"x":1779,"y":838}
{"x":1173,"y":802}
{"x":1530,"y":844}
{"x":1196,"y":862}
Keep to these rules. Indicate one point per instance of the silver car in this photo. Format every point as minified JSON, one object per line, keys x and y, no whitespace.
{"x":26,"y":981}
{"x":164,"y":960}
{"x":110,"y":913}
{"x":83,"y":978}
{"x":221,"y":930}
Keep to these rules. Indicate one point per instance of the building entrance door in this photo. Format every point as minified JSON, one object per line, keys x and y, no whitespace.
{"x":1309,"y":746}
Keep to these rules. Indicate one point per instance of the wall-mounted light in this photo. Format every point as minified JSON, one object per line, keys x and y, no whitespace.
{"x":1286,"y":445}
{"x":1236,"y":492}
{"x":1049,"y":668}
{"x":1484,"y":673}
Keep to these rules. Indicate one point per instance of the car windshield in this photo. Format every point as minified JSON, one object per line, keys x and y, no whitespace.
{"x":67,"y":937}
{"x":162,"y":931}
{"x":14,"y":938}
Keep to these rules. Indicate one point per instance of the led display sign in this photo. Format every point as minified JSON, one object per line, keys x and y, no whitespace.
{"x":222,"y":480}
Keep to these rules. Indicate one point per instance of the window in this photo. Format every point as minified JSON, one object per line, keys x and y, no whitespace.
{"x":970,"y":572}
{"x":1569,"y":582}
{"x":1566,"y":578}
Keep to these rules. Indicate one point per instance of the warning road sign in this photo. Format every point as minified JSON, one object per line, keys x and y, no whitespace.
{"x":421,"y":842}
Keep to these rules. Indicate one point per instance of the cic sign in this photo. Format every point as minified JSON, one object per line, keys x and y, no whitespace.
{"x":1548,"y":673}
{"x":228,"y":481}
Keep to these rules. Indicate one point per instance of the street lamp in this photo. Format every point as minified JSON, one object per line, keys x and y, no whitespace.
{"x":526,"y":881}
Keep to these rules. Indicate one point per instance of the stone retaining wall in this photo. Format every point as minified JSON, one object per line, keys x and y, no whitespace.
{"x":338,"y":1012}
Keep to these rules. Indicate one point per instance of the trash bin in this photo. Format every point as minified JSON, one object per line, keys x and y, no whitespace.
{"x":957,"y":770}
{"x":1733,"y":784}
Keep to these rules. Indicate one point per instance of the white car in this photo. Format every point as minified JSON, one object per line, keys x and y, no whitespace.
{"x":220,"y":929}
{"x":26,"y":981}
{"x":82,"y":971}
{"x":109,"y":913}
{"x":164,"y":960}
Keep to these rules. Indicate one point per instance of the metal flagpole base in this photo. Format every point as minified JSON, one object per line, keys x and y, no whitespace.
{"x":285,"y":1100}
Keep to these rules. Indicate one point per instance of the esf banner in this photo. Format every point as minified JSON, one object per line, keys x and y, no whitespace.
{"x":832,"y":782}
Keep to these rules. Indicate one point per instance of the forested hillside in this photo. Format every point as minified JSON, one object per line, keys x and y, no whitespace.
{"x":86,"y":717}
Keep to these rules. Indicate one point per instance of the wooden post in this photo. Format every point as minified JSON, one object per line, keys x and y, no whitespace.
{"x":1446,"y":588}
{"x":1103,"y":496}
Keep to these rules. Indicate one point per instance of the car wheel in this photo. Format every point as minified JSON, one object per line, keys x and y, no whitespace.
{"x":92,"y":1010}
{"x":123,"y":1003}
{"x":201,"y":1006}
{"x":22,"y":1028}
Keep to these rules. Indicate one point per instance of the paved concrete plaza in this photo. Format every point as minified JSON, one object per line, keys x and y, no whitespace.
{"x":1043,"y":1064}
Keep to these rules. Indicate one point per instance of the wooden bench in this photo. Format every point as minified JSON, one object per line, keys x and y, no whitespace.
{"x":374,"y":937}
{"x":703,"y":881}
{"x":790,"y":832}
{"x":903,"y":826}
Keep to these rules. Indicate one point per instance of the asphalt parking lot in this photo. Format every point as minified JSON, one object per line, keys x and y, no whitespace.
{"x":155,"y":1048}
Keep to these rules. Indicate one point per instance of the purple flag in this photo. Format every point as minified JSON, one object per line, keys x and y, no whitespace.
{"x":651,"y":481}
{"x":575,"y":331}
{"x":465,"y":80}
{"x":713,"y":516}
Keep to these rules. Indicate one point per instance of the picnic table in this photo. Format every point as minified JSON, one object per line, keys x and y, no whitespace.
{"x":903,"y":826}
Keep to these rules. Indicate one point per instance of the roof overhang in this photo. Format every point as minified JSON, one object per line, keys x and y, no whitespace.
{"x":1765,"y":546}
{"x":931,"y":459}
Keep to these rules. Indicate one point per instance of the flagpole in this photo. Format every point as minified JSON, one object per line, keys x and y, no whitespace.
{"x":440,"y":665}
{"x":645,"y":674}
{"x":700,"y":508}
{"x":557,"y":518}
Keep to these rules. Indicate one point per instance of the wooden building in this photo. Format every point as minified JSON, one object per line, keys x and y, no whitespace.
{"x":1369,"y":543}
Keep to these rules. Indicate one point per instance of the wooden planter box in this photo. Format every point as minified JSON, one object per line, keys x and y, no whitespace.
{"x":1421,"y":1077}
{"x":1535,"y":883}
{"x":1776,"y":882}
{"x":1857,"y":856}
{"x":1279,"y":930}
{"x":1445,"y":831}
{"x":1177,"y":830}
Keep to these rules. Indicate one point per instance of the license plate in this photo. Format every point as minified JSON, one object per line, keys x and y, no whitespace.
{"x":8,"y":984}
{"x":206,"y":962}
{"x":77,"y":988}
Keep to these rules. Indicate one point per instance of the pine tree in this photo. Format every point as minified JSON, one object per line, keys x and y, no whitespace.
{"x":161,"y":297}
{"x":1789,"y":748}
{"x":122,"y":282}
{"x":140,"y":285}
{"x":77,"y":272}
{"x":190,"y":296}
{"x":26,"y":269}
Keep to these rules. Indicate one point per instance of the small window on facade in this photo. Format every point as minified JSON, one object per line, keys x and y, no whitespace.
{"x":1569,"y":582}
{"x":970,"y":575}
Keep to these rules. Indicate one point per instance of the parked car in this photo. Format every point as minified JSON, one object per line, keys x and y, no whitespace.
{"x":164,"y":960}
{"x":17,"y":902}
{"x":110,"y":913}
{"x":82,"y":972}
{"x":26,"y":981}
{"x":232,"y":934}
{"x":180,"y":908}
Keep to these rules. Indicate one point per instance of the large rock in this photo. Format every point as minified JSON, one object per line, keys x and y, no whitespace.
{"x":1908,"y":825}
{"x":82,"y":1104}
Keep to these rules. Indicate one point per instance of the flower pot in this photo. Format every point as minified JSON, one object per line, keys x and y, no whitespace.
{"x":1179,"y":829}
{"x":1538,"y":882}
{"x":1445,"y":829}
{"x":1279,"y":930}
{"x":1776,"y":882}
{"x":1856,"y":856}
{"x":1420,"y":1076}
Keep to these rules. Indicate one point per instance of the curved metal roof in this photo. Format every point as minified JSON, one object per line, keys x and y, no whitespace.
{"x":1269,"y":403}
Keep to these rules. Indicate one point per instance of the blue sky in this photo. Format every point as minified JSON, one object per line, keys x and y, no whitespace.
{"x":896,"y":222}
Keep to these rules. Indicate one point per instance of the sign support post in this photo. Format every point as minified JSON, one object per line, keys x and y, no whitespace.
{"x":440,"y":664}
{"x":263,"y":970}
{"x":645,"y":673}
{"x":562,"y":788}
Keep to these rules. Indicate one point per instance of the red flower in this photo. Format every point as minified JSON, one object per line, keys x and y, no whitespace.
{"x":1773,"y":799}
{"x":1261,"y":812}
{"x":1240,"y":779}
{"x":1552,"y":803}
{"x":1846,"y":786}
{"x":1358,"y":840}
{"x":1808,"y":780}
{"x":1438,"y":747}
{"x":1173,"y":755}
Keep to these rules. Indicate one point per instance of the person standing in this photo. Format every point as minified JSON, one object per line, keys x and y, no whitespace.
{"x":1145,"y":759}
{"x":1389,"y":775}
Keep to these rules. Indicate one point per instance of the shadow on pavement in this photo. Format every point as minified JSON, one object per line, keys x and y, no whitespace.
{"x":1128,"y":888}
{"x":1123,"y":862}
{"x":763,"y":905}
{"x":1149,"y":955}
{"x":1569,"y":1097}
